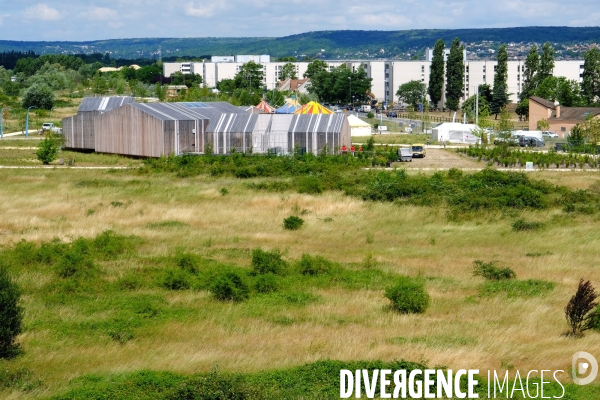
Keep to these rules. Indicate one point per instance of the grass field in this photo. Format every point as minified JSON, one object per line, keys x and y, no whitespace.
{"x":124,"y":317}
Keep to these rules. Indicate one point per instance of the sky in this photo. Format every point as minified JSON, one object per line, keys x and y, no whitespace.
{"x":79,"y":20}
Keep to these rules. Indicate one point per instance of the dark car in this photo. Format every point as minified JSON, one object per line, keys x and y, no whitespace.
{"x":525,"y":141}
{"x":392,"y":114}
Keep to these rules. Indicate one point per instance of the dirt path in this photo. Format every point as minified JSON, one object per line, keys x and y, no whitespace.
{"x":440,"y":158}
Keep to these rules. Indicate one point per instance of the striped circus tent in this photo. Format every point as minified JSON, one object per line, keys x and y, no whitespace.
{"x":265,"y":108}
{"x":313,"y":107}
{"x":287,"y":108}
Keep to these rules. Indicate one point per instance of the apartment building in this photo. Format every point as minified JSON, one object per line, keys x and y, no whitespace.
{"x":386,"y":75}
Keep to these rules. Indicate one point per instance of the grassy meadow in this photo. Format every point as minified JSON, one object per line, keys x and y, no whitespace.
{"x":135,"y":307}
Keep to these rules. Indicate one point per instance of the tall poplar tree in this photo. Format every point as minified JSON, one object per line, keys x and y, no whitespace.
{"x":455,"y":74}
{"x":546,"y":62}
{"x":436,"y":75}
{"x":500,"y":96}
{"x":590,"y":85}
{"x":530,"y":69}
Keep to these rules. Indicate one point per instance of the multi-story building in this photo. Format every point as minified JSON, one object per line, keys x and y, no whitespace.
{"x":387,"y":76}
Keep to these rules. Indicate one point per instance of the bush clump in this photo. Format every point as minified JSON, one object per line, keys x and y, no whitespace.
{"x":408,"y":296}
{"x":310,"y":184}
{"x":11,"y":314}
{"x":187,"y":262}
{"x":524,"y":225}
{"x":230,"y":286}
{"x":77,"y":262}
{"x":491,"y":271}
{"x":267,"y":262}
{"x":314,"y":265}
{"x":293,"y":223}
{"x":266,"y":283}
{"x":175,"y":279}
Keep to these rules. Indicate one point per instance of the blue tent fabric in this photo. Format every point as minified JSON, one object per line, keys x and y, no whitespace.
{"x":286,"y":109}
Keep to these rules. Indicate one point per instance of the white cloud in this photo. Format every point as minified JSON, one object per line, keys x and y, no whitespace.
{"x":202,"y":10}
{"x":99,"y":14}
{"x":41,"y":11}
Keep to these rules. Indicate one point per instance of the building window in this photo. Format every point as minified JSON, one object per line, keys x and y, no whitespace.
{"x":563,"y":129}
{"x":495,"y":68}
{"x":467,"y":68}
{"x":484,"y":77}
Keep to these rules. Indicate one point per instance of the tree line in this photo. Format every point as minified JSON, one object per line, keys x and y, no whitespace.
{"x":447,"y":77}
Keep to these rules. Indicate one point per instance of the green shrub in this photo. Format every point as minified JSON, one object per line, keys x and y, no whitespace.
{"x":187,"y":262}
{"x":314,"y":265}
{"x":408,"y":296}
{"x":523,"y":225}
{"x":108,"y":245}
{"x":310,"y":184}
{"x":267,"y":262}
{"x":515,"y":288}
{"x":266,"y":283}
{"x":11,"y":314}
{"x":48,"y":150}
{"x":175,"y":279}
{"x":370,"y":115}
{"x":491,"y":271}
{"x":229,"y":286}
{"x":77,"y":262}
{"x":215,"y":386}
{"x":293,"y":223}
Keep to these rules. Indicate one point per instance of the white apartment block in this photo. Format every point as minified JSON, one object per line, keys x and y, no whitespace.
{"x":386,"y":76}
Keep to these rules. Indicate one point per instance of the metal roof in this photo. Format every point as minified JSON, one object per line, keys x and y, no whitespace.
{"x":320,"y":123}
{"x":103,"y":104}
{"x":237,"y":123}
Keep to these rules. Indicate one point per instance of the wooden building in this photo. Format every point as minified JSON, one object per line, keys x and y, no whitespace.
{"x":161,"y":129}
{"x":78,"y":130}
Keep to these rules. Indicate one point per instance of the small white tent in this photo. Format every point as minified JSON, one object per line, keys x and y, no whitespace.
{"x":454,"y":132}
{"x":358,"y":127}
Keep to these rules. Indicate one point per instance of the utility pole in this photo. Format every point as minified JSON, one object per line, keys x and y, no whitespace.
{"x":27,"y":122}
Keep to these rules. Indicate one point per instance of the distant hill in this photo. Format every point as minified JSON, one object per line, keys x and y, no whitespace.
{"x":349,"y":44}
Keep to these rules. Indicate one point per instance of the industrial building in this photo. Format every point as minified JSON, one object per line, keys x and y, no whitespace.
{"x":161,"y":129}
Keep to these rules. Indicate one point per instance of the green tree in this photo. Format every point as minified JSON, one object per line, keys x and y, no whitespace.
{"x":412,"y":92}
{"x":160,"y":91}
{"x":11,"y":314}
{"x":566,"y":92}
{"x":39,"y":96}
{"x":500,"y":96}
{"x":436,"y":75}
{"x":546,"y":62}
{"x":250,"y":76}
{"x":288,"y":71}
{"x":530,"y":69}
{"x":590,"y":85}
{"x":314,"y":68}
{"x":468,"y":106}
{"x":48,"y":150}
{"x":455,"y":74}
{"x":99,"y":84}
{"x":189,"y":80}
{"x":505,"y":126}
{"x":523,"y":108}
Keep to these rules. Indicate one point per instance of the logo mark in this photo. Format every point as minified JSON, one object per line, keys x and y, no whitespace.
{"x":581,"y":367}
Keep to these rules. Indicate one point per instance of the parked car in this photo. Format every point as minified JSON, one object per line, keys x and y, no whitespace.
{"x":392,"y":114}
{"x":525,"y":141}
{"x":405,"y":154}
{"x":549,"y":134}
{"x":418,"y":150}
{"x":49,"y":126}
{"x":408,"y":129}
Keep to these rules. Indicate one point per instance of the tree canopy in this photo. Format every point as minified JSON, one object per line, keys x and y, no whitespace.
{"x":590,"y":85}
{"x":455,"y":73}
{"x":436,"y":75}
{"x":500,"y":96}
{"x":339,"y":85}
{"x":412,"y":92}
